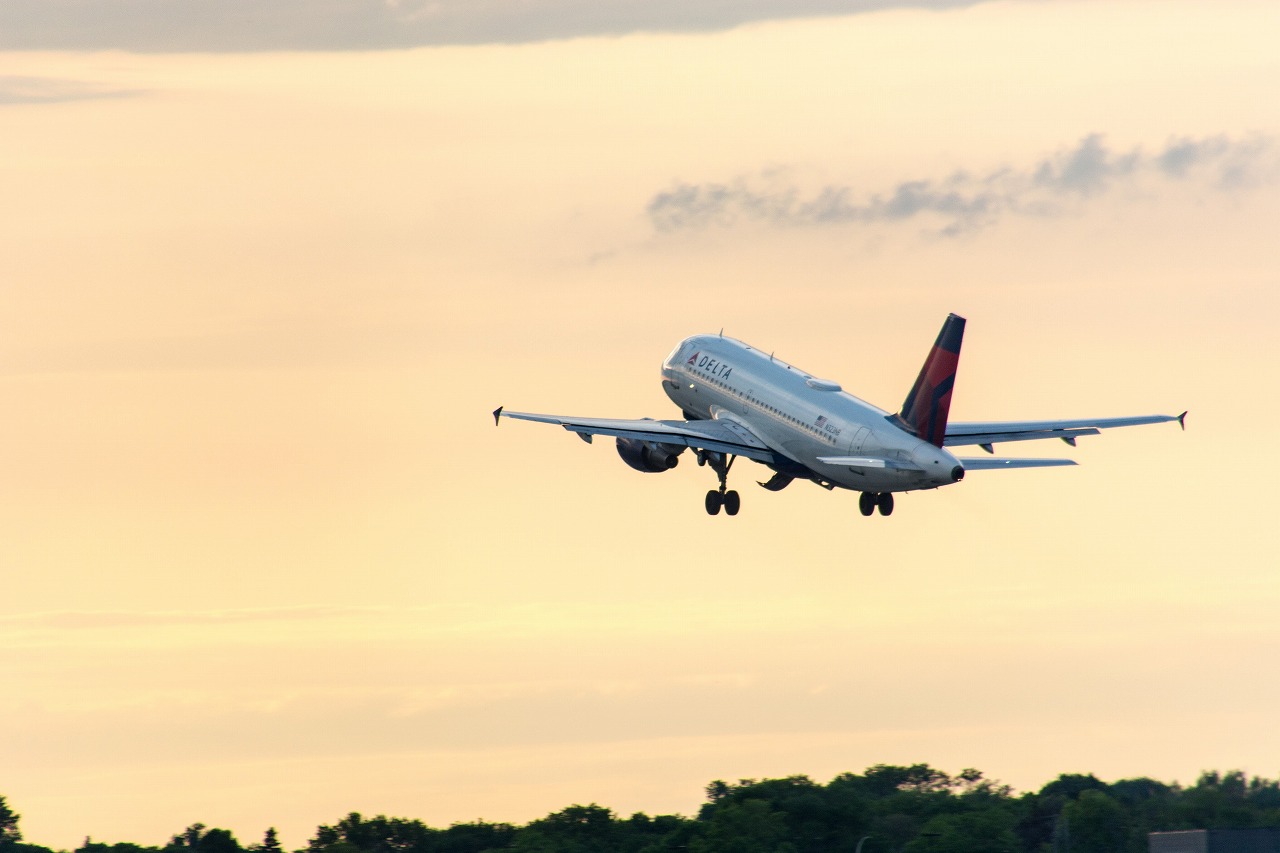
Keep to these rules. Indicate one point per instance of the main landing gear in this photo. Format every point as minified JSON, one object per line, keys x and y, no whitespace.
{"x":868,"y":502}
{"x":723,"y":496}
{"x":717,"y":498}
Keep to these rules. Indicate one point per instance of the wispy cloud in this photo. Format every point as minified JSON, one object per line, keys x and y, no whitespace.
{"x":49,"y":90}
{"x":250,"y":25}
{"x":516,"y":620}
{"x":96,"y":619}
{"x":964,"y":201}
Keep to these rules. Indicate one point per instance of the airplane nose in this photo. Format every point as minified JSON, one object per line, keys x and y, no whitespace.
{"x":957,"y":473}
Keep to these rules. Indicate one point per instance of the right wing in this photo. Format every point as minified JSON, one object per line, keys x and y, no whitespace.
{"x":720,"y":436}
{"x":992,"y":432}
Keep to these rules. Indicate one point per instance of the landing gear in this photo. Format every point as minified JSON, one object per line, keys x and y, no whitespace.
{"x":730,"y":500}
{"x":722,"y":497}
{"x":869,"y":502}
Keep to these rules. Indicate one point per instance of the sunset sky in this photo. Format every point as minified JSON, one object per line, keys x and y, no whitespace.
{"x":267,"y":271}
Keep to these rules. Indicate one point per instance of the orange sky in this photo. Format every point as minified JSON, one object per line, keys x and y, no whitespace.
{"x":266,"y":559}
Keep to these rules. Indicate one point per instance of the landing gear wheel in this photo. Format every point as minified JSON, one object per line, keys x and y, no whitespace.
{"x":718,"y":498}
{"x":867,"y":503}
{"x":886,"y":503}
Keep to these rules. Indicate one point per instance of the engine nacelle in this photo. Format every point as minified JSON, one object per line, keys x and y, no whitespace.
{"x":649,"y":456}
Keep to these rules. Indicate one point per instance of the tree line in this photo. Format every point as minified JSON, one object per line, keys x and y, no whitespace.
{"x":885,"y":809}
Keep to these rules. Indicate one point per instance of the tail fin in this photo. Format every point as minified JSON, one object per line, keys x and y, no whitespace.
{"x":925,"y":410}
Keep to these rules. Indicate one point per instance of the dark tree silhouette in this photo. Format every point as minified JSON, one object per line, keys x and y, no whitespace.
{"x":10,"y":835}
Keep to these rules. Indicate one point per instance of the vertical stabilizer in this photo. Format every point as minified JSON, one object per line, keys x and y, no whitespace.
{"x":925,"y":410}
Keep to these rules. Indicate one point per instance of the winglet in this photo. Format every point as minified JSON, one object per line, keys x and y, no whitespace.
{"x":497,"y":413}
{"x":927,"y":405}
{"x":1182,"y":421}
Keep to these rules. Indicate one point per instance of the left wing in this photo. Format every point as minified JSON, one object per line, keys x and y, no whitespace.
{"x":720,"y":436}
{"x":988,"y":433}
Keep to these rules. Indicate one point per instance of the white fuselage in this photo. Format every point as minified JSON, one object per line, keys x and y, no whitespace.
{"x":800,"y":416}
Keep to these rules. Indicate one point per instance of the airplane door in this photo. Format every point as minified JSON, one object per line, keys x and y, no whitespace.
{"x":859,"y":438}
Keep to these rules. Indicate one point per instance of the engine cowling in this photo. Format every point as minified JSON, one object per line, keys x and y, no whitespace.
{"x":649,"y":456}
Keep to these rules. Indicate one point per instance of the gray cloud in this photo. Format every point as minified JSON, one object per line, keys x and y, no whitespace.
{"x":48,"y":90}
{"x":252,"y":25}
{"x":964,"y":202}
{"x":1087,"y":169}
{"x":1182,"y":155}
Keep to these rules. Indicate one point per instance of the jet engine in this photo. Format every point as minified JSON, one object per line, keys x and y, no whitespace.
{"x":649,"y":456}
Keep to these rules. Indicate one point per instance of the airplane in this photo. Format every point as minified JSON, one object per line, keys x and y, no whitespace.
{"x":739,"y":401}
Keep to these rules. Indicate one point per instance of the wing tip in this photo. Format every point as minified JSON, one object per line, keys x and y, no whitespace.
{"x":1182,"y":420}
{"x":497,"y":413}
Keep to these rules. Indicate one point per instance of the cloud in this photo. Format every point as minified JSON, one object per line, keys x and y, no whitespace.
{"x":253,"y":25}
{"x":518,"y":620}
{"x":964,"y":202}
{"x":48,"y":90}
{"x":106,"y":619}
{"x":1087,"y":169}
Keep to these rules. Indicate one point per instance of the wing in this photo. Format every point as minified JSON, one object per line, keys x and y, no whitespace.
{"x":988,"y":433}
{"x":721,"y":436}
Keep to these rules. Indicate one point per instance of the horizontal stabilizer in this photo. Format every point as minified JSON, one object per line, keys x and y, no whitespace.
{"x":991,"y":463}
{"x":875,"y":462}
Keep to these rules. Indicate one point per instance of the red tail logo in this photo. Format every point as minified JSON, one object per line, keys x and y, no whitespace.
{"x":927,"y":406}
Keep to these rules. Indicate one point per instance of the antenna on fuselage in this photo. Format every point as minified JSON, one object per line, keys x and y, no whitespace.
{"x":722,"y":331}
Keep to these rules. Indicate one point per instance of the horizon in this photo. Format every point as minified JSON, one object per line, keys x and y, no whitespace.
{"x":966,"y":782}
